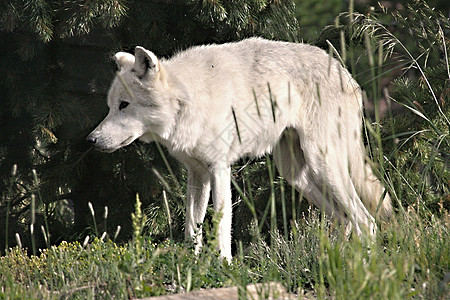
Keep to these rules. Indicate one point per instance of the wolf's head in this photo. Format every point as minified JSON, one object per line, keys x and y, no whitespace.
{"x":140,"y":102}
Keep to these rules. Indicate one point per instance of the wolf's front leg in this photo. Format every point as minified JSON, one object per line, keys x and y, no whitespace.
{"x":222,"y":205}
{"x":198,"y":188}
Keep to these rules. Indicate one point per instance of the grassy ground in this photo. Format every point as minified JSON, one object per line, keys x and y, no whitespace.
{"x":409,"y":259}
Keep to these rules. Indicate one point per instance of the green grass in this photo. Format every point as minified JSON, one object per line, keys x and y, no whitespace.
{"x":409,"y":259}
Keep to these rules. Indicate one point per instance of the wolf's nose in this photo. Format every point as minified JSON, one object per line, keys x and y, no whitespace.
{"x":91,"y":139}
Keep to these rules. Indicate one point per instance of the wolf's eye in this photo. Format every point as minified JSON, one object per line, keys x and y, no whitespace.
{"x":123,"y":104}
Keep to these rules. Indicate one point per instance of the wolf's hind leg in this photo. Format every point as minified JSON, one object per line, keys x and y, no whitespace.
{"x":291,"y":163}
{"x":330,"y":166}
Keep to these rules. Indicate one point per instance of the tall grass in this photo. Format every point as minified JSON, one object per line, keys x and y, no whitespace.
{"x":410,"y":259}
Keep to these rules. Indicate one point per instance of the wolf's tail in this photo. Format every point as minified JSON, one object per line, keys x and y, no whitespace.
{"x":369,"y":188}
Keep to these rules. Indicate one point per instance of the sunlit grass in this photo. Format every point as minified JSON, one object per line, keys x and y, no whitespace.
{"x":409,"y":259}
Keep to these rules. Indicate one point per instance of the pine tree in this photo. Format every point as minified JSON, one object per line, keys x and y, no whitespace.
{"x":56,"y":68}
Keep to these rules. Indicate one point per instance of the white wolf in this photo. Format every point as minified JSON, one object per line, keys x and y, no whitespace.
{"x":211,"y":105}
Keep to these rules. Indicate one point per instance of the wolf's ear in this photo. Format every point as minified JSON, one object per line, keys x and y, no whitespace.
{"x":123,"y":60}
{"x":145,"y":61}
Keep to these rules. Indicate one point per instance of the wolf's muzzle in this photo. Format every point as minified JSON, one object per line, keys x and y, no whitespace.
{"x":91,"y":139}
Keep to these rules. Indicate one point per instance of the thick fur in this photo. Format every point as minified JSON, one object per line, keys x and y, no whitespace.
{"x":212,"y":105}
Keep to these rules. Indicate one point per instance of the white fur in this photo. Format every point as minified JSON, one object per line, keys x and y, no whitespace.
{"x":307,"y":109}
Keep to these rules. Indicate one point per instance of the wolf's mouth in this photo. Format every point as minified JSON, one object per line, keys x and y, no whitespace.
{"x":128,"y":141}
